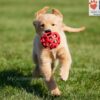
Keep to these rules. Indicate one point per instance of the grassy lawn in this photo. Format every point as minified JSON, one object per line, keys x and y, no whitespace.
{"x":16,"y":37}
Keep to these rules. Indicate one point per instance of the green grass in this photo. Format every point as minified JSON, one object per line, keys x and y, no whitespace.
{"x":16,"y":37}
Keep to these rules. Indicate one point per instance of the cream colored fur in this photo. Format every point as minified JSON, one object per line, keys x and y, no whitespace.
{"x":44,"y":58}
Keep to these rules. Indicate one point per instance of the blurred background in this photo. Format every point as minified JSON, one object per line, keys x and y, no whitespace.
{"x":16,"y":43}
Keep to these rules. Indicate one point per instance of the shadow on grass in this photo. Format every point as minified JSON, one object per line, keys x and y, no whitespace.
{"x":17,"y":79}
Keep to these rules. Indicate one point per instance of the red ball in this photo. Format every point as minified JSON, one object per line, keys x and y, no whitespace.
{"x":50,"y":40}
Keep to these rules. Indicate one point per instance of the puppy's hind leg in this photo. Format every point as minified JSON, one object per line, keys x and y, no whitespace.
{"x":54,"y":66}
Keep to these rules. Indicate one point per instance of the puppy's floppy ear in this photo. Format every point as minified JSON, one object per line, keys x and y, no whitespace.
{"x":42,"y":11}
{"x":57,"y":13}
{"x":71,"y":29}
{"x":35,"y":23}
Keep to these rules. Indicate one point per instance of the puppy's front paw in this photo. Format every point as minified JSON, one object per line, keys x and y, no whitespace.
{"x":64,"y":74}
{"x":56,"y":92}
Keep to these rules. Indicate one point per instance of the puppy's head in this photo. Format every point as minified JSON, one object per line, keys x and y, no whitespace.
{"x":48,"y":22}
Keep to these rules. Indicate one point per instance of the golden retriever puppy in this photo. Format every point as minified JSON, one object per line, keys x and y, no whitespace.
{"x":44,"y":58}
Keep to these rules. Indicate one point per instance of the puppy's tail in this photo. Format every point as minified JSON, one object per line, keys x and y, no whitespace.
{"x":70,"y":29}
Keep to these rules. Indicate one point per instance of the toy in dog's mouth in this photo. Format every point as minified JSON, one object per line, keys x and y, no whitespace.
{"x":50,"y":40}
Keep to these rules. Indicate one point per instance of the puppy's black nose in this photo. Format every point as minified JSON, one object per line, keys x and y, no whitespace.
{"x":47,"y":30}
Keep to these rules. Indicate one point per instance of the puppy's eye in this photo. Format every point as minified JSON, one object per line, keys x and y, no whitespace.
{"x":53,"y":24}
{"x":42,"y":25}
